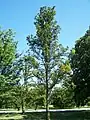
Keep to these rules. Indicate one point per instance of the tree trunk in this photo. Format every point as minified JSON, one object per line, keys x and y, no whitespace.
{"x":22,"y":101}
{"x":23,"y":110}
{"x":47,"y":106}
{"x":47,"y":96}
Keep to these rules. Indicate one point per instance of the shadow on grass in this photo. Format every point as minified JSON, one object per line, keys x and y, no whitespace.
{"x":34,"y":116}
{"x":68,"y":115}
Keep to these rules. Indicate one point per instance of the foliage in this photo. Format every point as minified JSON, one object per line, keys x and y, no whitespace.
{"x":8,"y":71}
{"x":62,"y":98}
{"x":46,"y":50}
{"x":80,"y":63}
{"x":27,"y":62}
{"x":29,"y":81}
{"x":36,"y":97}
{"x":7,"y":56}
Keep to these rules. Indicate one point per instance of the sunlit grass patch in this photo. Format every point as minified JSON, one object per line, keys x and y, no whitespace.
{"x":11,"y":116}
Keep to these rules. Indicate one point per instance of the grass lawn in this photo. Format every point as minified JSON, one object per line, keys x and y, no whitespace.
{"x":68,"y":115}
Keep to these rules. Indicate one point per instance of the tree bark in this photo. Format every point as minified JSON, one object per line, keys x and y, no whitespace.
{"x":47,"y":95}
{"x":23,"y":110}
{"x":22,"y":101}
{"x":47,"y":106}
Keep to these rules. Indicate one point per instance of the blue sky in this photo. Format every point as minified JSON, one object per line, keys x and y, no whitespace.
{"x":73,"y":16}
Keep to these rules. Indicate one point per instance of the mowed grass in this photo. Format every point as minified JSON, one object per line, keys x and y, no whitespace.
{"x":68,"y":115}
{"x":11,"y":117}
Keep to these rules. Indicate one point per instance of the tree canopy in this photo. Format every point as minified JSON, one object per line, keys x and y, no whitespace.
{"x":46,"y":50}
{"x":7,"y":56}
{"x":80,"y":64}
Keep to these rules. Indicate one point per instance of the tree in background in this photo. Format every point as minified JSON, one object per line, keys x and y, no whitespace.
{"x":8,"y":73}
{"x":47,"y":51}
{"x":26,"y":64}
{"x":36,"y":97}
{"x":80,"y":64}
{"x":62,"y":96}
